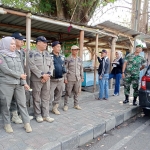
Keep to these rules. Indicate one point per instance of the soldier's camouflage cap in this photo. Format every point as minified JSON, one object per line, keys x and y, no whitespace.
{"x":139,"y":45}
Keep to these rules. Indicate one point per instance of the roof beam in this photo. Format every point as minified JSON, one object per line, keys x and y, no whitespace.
{"x":34,"y":29}
{"x":114,"y":31}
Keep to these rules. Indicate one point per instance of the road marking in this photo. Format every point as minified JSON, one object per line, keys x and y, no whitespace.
{"x":126,"y":139}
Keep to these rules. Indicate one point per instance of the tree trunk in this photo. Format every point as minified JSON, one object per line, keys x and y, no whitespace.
{"x":60,"y":10}
{"x":133,"y":14}
{"x":135,"y":17}
{"x":144,"y":18}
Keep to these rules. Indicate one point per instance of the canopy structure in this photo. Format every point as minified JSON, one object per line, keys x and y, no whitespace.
{"x":106,"y":35}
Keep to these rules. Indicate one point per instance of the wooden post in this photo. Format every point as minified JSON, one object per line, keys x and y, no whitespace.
{"x":131,"y":46}
{"x":81,"y":49}
{"x":113,"y":46}
{"x":28,"y":38}
{"x":81,"y":43}
{"x":95,"y":71}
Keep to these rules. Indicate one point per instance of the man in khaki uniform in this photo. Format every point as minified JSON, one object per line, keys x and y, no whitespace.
{"x":57,"y":80}
{"x":73,"y":77}
{"x":41,"y":66}
{"x":21,"y":54}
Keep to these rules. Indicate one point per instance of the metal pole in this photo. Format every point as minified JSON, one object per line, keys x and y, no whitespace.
{"x":81,"y":43}
{"x":28,"y":38}
{"x":95,"y":71}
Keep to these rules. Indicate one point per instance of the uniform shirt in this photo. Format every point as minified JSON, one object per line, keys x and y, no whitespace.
{"x":11,"y":70}
{"x":21,"y":54}
{"x":134,"y":63}
{"x":58,"y":66}
{"x":40,"y":63}
{"x":74,"y":69}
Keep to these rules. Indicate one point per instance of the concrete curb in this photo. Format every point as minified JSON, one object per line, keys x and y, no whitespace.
{"x":87,"y":133}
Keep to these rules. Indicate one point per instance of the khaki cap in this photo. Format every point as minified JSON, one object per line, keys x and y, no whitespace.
{"x":75,"y":47}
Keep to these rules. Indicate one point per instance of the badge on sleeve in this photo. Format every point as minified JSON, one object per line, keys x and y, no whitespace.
{"x":30,"y":54}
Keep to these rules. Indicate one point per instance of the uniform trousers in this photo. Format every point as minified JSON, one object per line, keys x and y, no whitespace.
{"x":7,"y":91}
{"x":75,"y":87}
{"x":13,"y":105}
{"x":41,"y":96}
{"x":127,"y":81}
{"x":56,"y":90}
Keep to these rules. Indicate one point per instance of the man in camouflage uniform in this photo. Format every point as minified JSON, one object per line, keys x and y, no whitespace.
{"x":133,"y":63}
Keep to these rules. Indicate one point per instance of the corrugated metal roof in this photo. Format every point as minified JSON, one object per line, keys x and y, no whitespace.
{"x":10,"y":23}
{"x":118,"y":28}
{"x":125,"y":30}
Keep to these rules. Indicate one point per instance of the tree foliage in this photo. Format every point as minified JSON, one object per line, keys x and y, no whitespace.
{"x":79,"y":11}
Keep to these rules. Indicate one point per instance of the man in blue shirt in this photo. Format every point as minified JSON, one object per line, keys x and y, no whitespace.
{"x":57,"y":79}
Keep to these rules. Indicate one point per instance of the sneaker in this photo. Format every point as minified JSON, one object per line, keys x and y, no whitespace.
{"x":30,"y":117}
{"x":115,"y":94}
{"x":8,"y":128}
{"x":77,"y":107}
{"x":65,"y":108}
{"x":105,"y":98}
{"x":15,"y":118}
{"x":97,"y":98}
{"x":28,"y":127}
{"x":39,"y":119}
{"x":48,"y":119}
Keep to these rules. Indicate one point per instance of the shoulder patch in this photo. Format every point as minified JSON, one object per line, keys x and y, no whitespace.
{"x":30,"y":54}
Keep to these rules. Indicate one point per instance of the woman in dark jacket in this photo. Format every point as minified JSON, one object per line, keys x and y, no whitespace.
{"x":116,"y":72}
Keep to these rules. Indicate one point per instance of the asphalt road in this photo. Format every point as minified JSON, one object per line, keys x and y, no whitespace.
{"x":131,"y":135}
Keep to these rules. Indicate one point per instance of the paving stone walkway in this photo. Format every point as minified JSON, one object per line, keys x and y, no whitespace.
{"x":72,"y":128}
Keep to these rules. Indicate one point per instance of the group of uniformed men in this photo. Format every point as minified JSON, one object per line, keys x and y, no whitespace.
{"x":49,"y":71}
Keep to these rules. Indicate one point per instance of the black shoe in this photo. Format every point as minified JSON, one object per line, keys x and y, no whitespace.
{"x":135,"y":104}
{"x":126,"y":101}
{"x":134,"y":101}
{"x":97,"y":98}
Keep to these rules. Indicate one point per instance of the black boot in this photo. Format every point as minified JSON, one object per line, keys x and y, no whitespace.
{"x":126,"y":99}
{"x":134,"y":101}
